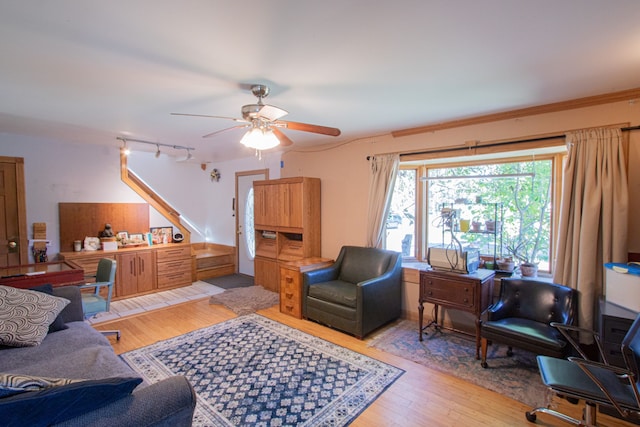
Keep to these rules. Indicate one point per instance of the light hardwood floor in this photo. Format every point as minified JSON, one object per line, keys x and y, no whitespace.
{"x":420,"y":397}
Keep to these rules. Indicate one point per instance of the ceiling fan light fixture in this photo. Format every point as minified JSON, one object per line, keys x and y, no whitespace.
{"x":260,"y":139}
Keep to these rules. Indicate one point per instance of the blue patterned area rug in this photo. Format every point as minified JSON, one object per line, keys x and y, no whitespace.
{"x":455,"y":354}
{"x":251,"y":370}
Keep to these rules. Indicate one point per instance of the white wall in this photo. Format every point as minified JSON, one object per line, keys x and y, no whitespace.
{"x":70,"y":172}
{"x":205,"y":205}
{"x":344,"y":170}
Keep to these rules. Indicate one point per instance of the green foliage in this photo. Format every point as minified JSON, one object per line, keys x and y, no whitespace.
{"x":524,"y":203}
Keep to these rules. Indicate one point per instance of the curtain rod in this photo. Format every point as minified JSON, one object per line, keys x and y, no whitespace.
{"x":499,"y":144}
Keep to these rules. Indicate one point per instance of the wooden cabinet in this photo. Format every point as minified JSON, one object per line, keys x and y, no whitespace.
{"x":471,"y":293}
{"x":287,"y":225}
{"x":136,"y":273}
{"x":143,"y":269}
{"x":173,"y":267}
{"x":291,"y":283}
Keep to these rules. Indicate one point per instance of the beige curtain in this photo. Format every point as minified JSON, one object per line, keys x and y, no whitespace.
{"x":593,"y":214}
{"x":384,"y":169}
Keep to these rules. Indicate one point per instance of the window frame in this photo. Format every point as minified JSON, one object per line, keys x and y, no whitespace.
{"x":557,"y":155}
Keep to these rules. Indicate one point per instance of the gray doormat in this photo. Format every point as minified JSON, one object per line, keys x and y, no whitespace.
{"x":231,"y":281}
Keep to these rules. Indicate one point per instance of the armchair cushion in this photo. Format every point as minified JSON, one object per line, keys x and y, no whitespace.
{"x":335,"y":291}
{"x":516,"y":330}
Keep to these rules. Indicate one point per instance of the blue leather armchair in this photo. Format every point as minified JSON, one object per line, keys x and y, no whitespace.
{"x":360,"y":292}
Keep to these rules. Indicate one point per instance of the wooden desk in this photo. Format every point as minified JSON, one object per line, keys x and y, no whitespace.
{"x":466,"y":292}
{"x":59,"y":273}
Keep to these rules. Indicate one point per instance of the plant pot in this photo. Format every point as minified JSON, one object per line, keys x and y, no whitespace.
{"x":528,"y":270}
{"x":505,"y":265}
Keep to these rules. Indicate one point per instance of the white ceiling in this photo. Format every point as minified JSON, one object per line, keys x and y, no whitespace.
{"x":92,"y":70}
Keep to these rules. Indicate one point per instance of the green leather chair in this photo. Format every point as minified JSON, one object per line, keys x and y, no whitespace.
{"x":360,"y":292}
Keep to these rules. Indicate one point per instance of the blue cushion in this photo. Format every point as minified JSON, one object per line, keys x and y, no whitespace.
{"x":57,"y":404}
{"x":58,"y":324}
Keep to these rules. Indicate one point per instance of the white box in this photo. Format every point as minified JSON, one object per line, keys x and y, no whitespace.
{"x":109,"y":246}
{"x":623,"y":289}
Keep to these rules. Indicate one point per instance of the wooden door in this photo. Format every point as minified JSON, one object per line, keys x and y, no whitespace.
{"x":13,"y":213}
{"x":266,"y":205}
{"x":145,"y":270}
{"x":293,"y":205}
{"x":127,"y":276}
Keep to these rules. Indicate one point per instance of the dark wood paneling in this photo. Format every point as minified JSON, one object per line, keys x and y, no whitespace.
{"x":79,"y":220}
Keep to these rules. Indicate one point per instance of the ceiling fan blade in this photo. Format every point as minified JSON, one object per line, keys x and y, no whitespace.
{"x":271,"y":113}
{"x":209,"y":135}
{"x":212,"y":117}
{"x":285,"y":141}
{"x":306,"y":127}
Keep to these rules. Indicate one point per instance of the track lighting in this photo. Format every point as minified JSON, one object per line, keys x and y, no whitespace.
{"x":127,"y":151}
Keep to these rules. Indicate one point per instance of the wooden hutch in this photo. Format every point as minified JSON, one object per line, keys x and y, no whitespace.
{"x":287,"y":225}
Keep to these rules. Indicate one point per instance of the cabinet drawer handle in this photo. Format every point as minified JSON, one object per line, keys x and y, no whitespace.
{"x":429,"y":293}
{"x":466,"y":300}
{"x":289,"y":279}
{"x":288,"y":295}
{"x":466,"y":289}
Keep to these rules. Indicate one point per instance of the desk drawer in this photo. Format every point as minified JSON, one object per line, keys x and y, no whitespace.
{"x":174,"y":266}
{"x":174,"y":279}
{"x":174,"y":253}
{"x":448,"y":293}
{"x":290,"y":292}
{"x":614,"y":329}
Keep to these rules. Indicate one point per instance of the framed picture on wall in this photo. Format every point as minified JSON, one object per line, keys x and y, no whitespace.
{"x":161,"y":234}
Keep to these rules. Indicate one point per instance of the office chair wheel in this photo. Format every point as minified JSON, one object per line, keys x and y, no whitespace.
{"x":510,"y":352}
{"x":485,"y":365}
{"x":531,"y":417}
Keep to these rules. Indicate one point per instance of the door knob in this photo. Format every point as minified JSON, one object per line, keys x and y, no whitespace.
{"x":12,"y":244}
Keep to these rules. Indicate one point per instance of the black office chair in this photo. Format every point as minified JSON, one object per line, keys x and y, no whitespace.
{"x":597,"y":383}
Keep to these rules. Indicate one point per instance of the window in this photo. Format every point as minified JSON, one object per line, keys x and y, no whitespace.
{"x":400,"y":224}
{"x":503,"y":207}
{"x":250,"y":233}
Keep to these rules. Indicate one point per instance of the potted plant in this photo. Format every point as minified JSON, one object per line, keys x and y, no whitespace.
{"x":526,"y":267}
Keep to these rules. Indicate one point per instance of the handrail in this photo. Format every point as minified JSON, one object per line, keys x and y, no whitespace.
{"x":143,"y":190}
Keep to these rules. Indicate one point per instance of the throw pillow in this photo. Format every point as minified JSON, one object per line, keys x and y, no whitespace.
{"x":58,"y":324}
{"x":25,"y":316}
{"x":57,"y":404}
{"x":11,"y":384}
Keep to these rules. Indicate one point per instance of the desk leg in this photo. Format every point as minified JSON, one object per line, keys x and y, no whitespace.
{"x":478,"y":325}
{"x":420,"y":318}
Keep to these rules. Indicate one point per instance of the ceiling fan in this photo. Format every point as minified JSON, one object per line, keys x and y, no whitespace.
{"x":264,"y":124}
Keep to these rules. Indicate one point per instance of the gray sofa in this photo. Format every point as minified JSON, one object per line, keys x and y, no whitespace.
{"x":81,"y":352}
